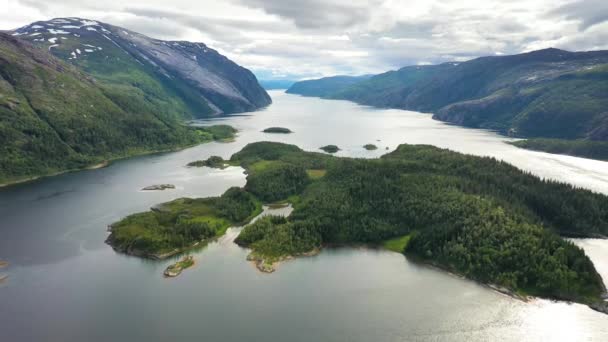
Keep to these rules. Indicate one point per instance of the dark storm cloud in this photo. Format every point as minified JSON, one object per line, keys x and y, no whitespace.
{"x":587,"y":12}
{"x":318,"y":14}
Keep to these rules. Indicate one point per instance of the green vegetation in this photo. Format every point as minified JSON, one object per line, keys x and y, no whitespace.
{"x":222,"y":133}
{"x":324,"y":86}
{"x":316,"y":174}
{"x":55,"y":118}
{"x":547,"y":93}
{"x":476,"y":216}
{"x":397,"y":244}
{"x":177,"y":268}
{"x":277,"y":181}
{"x":330,"y":148}
{"x":281,"y":130}
{"x":216,"y":162}
{"x":580,"y":148}
{"x":180,"y":224}
{"x":370,"y":147}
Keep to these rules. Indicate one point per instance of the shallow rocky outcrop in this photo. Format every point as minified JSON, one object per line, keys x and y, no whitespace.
{"x":176,"y":269}
{"x":600,"y":306}
{"x":159,"y":187}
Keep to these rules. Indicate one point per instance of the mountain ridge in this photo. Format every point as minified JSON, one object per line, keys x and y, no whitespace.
{"x":545,"y":93}
{"x":72,"y":97}
{"x":181,"y":71}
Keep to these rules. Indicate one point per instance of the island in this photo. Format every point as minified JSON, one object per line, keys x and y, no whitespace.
{"x":159,"y":187}
{"x":280,"y":130}
{"x":219,"y":133}
{"x":174,"y":227}
{"x":176,"y":269}
{"x":330,"y":148}
{"x":215,"y":162}
{"x":3,"y":263}
{"x":578,"y":148}
{"x":370,"y":147}
{"x":474,"y":216}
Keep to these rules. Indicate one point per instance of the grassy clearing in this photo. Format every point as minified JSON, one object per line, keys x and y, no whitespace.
{"x":316,"y":174}
{"x":263,"y":165}
{"x":397,"y":244}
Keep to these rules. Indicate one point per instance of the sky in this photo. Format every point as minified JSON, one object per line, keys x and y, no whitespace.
{"x":301,"y":39}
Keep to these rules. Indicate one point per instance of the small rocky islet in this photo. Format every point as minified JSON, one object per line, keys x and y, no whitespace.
{"x":215,"y":162}
{"x":158,"y":187}
{"x":330,"y":148}
{"x":176,"y":269}
{"x":279,"y":130}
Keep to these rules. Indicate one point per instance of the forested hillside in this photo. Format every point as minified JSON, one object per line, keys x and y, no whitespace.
{"x":54,"y":117}
{"x":178,"y":78}
{"x":547,"y":93}
{"x":324,"y":86}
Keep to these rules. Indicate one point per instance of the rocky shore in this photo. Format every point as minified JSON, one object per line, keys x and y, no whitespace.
{"x":269,"y":265}
{"x":600,"y":306}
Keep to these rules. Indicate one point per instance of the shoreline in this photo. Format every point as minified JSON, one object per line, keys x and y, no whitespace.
{"x":107,"y":162}
{"x":263,"y":266}
{"x":96,"y":166}
{"x":162,"y":256}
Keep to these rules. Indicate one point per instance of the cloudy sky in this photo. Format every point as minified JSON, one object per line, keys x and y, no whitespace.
{"x":311,"y":38}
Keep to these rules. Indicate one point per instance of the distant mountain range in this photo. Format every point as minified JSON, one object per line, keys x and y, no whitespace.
{"x":325,"y":86}
{"x":276,"y":84}
{"x":75,"y":91}
{"x":547,"y":93}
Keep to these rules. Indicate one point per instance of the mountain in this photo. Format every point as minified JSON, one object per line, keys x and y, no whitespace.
{"x":325,"y":86}
{"x":75,"y":92}
{"x":183,"y":79}
{"x":276,"y":84}
{"x":547,"y":93}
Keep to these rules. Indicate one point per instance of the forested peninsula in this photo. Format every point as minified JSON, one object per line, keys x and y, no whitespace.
{"x":474,"y":216}
{"x":579,"y":148}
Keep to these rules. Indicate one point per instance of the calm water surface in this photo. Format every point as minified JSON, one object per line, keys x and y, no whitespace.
{"x":65,"y":284}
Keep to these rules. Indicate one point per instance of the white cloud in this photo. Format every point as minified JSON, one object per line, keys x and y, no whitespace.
{"x":312,"y":38}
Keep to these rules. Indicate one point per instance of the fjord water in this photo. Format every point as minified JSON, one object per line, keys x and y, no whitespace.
{"x":66,"y":284}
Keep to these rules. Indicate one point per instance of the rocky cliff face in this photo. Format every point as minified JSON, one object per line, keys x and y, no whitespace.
{"x":197,"y":78}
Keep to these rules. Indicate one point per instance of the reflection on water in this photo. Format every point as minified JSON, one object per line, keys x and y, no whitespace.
{"x":66,"y":284}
